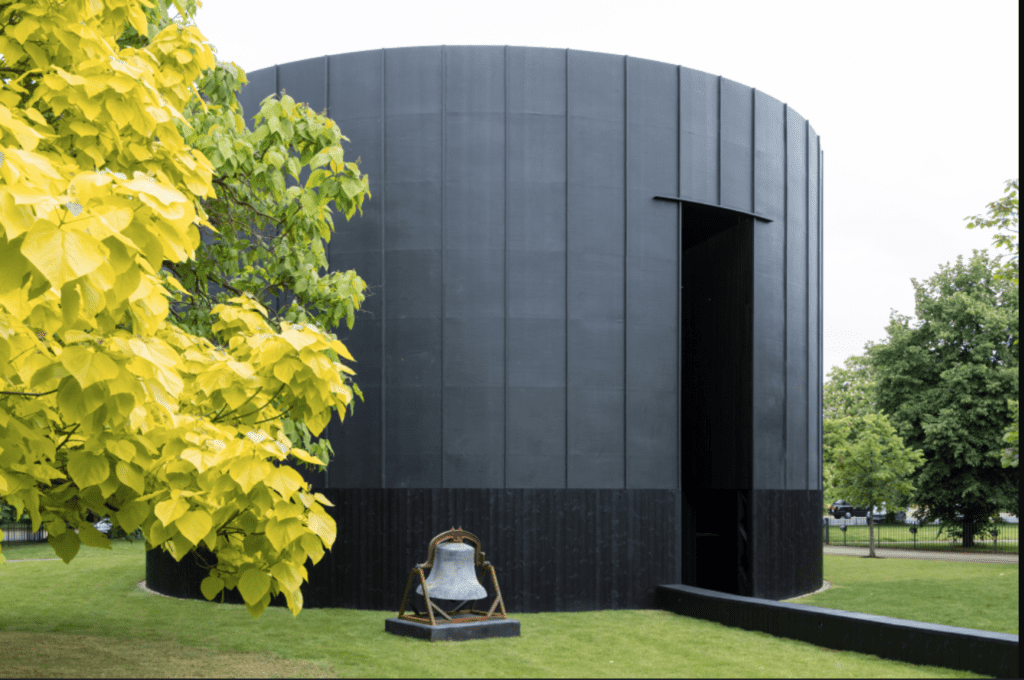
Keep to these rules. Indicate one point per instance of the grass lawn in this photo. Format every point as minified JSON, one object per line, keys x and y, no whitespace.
{"x":89,"y":619}
{"x":983,"y":596}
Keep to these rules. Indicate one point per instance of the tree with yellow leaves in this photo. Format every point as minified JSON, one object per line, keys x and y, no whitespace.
{"x":106,"y":406}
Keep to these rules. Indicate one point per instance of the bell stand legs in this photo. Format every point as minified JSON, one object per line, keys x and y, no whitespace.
{"x":431,"y":606}
{"x":498,"y":600}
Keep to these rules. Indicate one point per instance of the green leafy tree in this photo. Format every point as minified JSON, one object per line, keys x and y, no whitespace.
{"x":1010,"y":456}
{"x":106,"y":407}
{"x":946,"y":386}
{"x":849,"y":391}
{"x":1004,"y":217}
{"x":8,"y":513}
{"x":872,"y":465}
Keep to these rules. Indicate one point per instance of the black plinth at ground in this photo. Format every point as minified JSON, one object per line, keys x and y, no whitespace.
{"x":454,"y":632}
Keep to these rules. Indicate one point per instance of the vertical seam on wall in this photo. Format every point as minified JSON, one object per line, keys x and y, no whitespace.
{"x":625,"y":270}
{"x":785,"y":281}
{"x":567,"y":194}
{"x":504,"y":474}
{"x":821,"y":250}
{"x":753,"y":149}
{"x":444,"y":182}
{"x":679,"y":278}
{"x":807,"y":261}
{"x":383,"y":270}
{"x":327,"y":253}
{"x":718,"y":122}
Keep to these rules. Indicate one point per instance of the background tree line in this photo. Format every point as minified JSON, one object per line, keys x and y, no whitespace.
{"x":929,"y":417}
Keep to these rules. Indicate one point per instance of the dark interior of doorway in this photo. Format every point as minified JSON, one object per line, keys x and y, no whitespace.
{"x":716,"y":314}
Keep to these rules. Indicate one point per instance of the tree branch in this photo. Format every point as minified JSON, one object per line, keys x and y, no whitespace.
{"x":279,"y":390}
{"x":30,"y":394}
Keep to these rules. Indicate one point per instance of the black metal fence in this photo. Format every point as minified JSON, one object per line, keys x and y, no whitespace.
{"x":1002,"y":536}
{"x":21,"y":532}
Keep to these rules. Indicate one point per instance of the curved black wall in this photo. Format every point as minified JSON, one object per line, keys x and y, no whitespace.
{"x":594,"y":329}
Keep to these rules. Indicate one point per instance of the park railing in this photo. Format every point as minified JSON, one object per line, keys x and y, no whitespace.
{"x":21,"y":532}
{"x":1003,"y":536}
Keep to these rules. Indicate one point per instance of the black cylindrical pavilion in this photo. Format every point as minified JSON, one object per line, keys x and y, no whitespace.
{"x":594,"y":331}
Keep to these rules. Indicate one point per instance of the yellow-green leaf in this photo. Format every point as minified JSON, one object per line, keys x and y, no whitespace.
{"x":210,"y":586}
{"x":253,"y":585}
{"x":257,"y":608}
{"x":92,"y":537}
{"x":131,"y":477}
{"x":87,"y":468}
{"x":313,"y":547}
{"x":170,"y":510}
{"x":248,"y":471}
{"x":195,"y":525}
{"x":285,"y":480}
{"x":132,"y":515}
{"x":65,"y":545}
{"x":324,"y":527}
{"x":287,"y":575}
{"x":87,"y":365}
{"x":62,"y":255}
{"x":122,"y":449}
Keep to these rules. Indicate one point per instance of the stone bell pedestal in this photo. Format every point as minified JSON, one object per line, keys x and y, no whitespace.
{"x":454,"y":632}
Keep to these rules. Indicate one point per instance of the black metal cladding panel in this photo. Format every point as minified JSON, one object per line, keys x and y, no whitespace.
{"x":769,"y":157}
{"x":595,"y":270}
{"x":535,"y":409}
{"x":652,"y":274}
{"x":536,"y":437}
{"x":474,"y":263}
{"x":698,"y":136}
{"x":536,"y":80}
{"x":595,"y":438}
{"x":769,"y":388}
{"x":737,"y":152}
{"x":413,"y":288}
{"x":412,"y":427}
{"x":474,"y":431}
{"x":475,"y":80}
{"x":777,"y":464}
{"x":814,"y":361}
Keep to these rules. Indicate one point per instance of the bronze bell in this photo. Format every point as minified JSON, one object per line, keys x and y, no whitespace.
{"x":452,"y":566}
{"x":453,"y":576}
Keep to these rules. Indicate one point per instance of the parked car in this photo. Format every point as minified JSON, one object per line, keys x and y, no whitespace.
{"x":841,"y":509}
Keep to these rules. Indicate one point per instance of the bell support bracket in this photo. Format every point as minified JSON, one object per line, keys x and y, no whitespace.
{"x":456,"y":536}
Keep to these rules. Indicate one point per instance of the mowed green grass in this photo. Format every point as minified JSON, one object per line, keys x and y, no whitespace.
{"x":968,"y":594}
{"x":89,"y":618}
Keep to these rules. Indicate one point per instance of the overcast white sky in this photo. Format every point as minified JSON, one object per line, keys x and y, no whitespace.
{"x":916,"y":102}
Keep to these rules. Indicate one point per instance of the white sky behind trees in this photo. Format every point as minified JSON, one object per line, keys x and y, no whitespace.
{"x":916,"y":103}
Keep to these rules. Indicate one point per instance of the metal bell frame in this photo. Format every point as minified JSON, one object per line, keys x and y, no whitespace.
{"x":456,"y":536}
